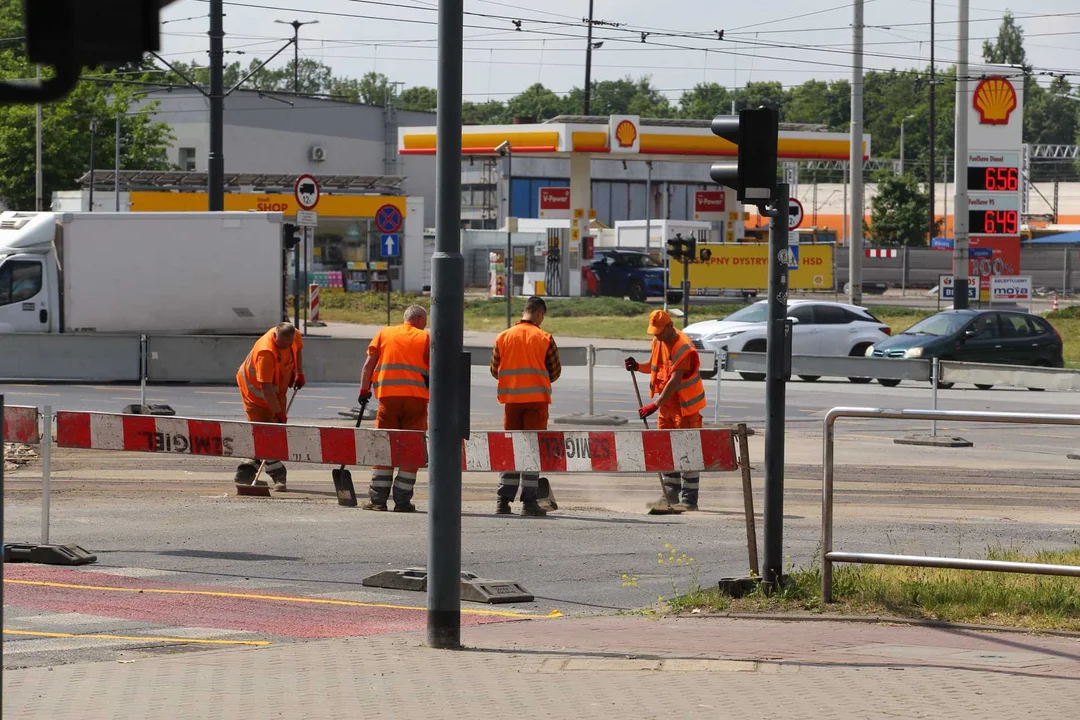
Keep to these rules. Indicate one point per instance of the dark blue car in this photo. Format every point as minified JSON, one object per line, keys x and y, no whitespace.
{"x":624,"y":273}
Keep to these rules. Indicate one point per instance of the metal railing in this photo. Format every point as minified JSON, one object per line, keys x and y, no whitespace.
{"x":830,"y":556}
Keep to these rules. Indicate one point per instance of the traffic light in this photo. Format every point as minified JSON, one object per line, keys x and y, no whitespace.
{"x":290,"y":234}
{"x":756,"y":133}
{"x":681,"y":249}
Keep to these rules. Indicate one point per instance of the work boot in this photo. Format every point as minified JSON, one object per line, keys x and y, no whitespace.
{"x":690,"y":504}
{"x":279,"y":477}
{"x":404,"y":507}
{"x":369,"y":505}
{"x":502,"y":506}
{"x":531,"y":508}
{"x":245,"y":474}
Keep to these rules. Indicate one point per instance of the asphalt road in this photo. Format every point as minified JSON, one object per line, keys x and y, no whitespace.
{"x":176,"y":519}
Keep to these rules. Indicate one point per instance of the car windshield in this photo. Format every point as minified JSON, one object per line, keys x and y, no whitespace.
{"x":945,"y":324}
{"x":638,"y":261}
{"x":750,"y":314}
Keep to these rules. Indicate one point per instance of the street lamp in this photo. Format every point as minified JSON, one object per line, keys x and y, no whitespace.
{"x":506,"y":151}
{"x":296,"y":25}
{"x":909,"y":117}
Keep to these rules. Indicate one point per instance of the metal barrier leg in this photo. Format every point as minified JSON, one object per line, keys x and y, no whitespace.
{"x":46,"y":471}
{"x":716,"y":405}
{"x":827,"y":511}
{"x":590,"y":360}
{"x":748,"y":501}
{"x":935,"y":376}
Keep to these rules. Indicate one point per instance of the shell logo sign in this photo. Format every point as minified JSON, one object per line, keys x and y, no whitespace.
{"x":625,"y":135}
{"x":994,"y":99}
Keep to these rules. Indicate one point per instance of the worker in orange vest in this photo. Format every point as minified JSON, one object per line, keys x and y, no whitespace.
{"x":525,"y":361}
{"x":397,"y":367}
{"x":275,"y":364}
{"x":679,"y":395}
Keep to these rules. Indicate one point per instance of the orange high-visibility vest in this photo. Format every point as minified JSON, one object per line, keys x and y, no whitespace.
{"x":401,"y":369}
{"x":523,"y":375}
{"x":284,"y":369}
{"x":691,"y":391}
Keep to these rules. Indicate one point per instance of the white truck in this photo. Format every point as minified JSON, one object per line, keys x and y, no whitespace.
{"x":165,"y":273}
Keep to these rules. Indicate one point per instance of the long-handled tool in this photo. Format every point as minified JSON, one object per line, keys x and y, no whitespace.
{"x":254,"y":490}
{"x":343,"y":484}
{"x":665,"y":507}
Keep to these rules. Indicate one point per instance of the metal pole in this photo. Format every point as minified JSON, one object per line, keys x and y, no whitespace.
{"x":508,"y":273}
{"x":215,"y":160}
{"x":855,"y":235}
{"x":716,"y":403}
{"x":447,"y":329}
{"x":827,"y":510}
{"x":960,"y":203}
{"x":903,"y":272}
{"x":588,"y":63}
{"x":902,"y":147}
{"x":142,"y":370}
{"x":116,"y":165}
{"x":39,"y":199}
{"x":296,"y":57}
{"x":933,"y":96}
{"x":935,"y":378}
{"x":686,"y":292}
{"x":93,"y":133}
{"x":775,"y":389}
{"x":304,"y":284}
{"x":46,"y":471}
{"x":648,"y":212}
{"x":590,"y":360}
{"x":296,"y":280}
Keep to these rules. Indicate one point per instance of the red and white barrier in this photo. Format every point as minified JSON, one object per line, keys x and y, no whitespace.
{"x":21,"y":425}
{"x":1055,"y":307}
{"x":292,"y":443}
{"x":625,"y":451}
{"x":617,"y":452}
{"x":314,"y":308}
{"x":882,"y":253}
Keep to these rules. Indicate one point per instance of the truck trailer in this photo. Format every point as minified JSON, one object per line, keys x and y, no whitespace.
{"x":194,"y":273}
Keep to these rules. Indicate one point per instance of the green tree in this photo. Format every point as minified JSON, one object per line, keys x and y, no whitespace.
{"x":491,"y":112}
{"x":756,"y":94}
{"x":622,"y":97}
{"x":537,"y":103}
{"x":1008,"y":49}
{"x":705,"y":101}
{"x":423,"y":99}
{"x":898,"y":211}
{"x":820,"y":102}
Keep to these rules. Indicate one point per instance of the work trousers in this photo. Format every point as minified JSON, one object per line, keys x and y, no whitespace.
{"x":250,"y":466}
{"x":671,"y":418}
{"x":522,"y":416}
{"x":397,"y":413}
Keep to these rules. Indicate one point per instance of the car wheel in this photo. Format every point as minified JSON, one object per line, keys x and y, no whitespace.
{"x":859,"y":351}
{"x":636,"y":291}
{"x":754,"y":346}
{"x":810,"y":378}
{"x":889,"y":382}
{"x":983,"y":387}
{"x":753,"y":377}
{"x":944,"y":385}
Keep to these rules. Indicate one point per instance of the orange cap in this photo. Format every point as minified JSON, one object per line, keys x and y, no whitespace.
{"x":658,"y":320}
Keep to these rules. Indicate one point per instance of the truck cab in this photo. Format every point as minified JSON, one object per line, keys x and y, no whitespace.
{"x":29,"y":287}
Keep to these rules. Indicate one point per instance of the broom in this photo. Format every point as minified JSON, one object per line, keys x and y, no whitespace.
{"x":655,"y":508}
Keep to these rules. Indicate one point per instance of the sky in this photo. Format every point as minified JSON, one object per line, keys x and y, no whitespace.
{"x":798,"y":41}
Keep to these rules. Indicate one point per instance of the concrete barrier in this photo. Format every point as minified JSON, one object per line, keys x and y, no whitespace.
{"x":69,"y":357}
{"x":1039,"y":378}
{"x":836,"y":366}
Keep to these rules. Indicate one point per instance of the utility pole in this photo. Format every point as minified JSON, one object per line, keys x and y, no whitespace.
{"x":445,"y":411}
{"x":588,"y":62}
{"x":960,"y":203}
{"x":93,"y":133}
{"x":778,"y":342}
{"x":215,"y":164}
{"x":116,"y":164}
{"x":39,"y":183}
{"x":855,"y":226}
{"x":296,"y":25}
{"x":933,"y":93}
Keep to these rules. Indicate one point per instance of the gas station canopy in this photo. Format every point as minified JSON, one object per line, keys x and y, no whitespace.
{"x":624,"y":137}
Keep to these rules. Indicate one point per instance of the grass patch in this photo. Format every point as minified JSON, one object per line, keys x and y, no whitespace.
{"x":1035,"y":602}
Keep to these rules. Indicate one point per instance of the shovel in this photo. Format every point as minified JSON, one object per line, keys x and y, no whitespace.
{"x":254,"y":490}
{"x":343,"y":484}
{"x":664,"y":507}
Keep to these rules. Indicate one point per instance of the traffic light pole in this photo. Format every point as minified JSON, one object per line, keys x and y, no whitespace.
{"x":686,"y":290}
{"x":776,"y":386}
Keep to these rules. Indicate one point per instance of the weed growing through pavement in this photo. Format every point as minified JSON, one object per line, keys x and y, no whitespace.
{"x":674,"y":563}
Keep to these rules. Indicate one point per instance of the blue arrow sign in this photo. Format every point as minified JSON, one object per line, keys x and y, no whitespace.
{"x":391,"y":246}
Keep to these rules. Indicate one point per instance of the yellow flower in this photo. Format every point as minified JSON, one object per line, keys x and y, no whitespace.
{"x":667,"y":546}
{"x":660,"y":562}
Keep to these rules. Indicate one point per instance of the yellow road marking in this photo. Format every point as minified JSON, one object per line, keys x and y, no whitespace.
{"x":277,"y":598}
{"x":134,"y":637}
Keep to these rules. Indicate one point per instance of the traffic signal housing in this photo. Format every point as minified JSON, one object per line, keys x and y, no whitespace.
{"x":682,"y":249}
{"x":290,"y":235}
{"x":756,"y":133}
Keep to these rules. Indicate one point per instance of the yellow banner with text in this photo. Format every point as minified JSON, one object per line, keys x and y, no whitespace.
{"x":746,"y":266}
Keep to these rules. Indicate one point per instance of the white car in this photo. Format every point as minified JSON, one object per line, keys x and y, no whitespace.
{"x":819,"y":328}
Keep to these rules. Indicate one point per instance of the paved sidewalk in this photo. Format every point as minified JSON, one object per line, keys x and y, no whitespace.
{"x":612,"y":667}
